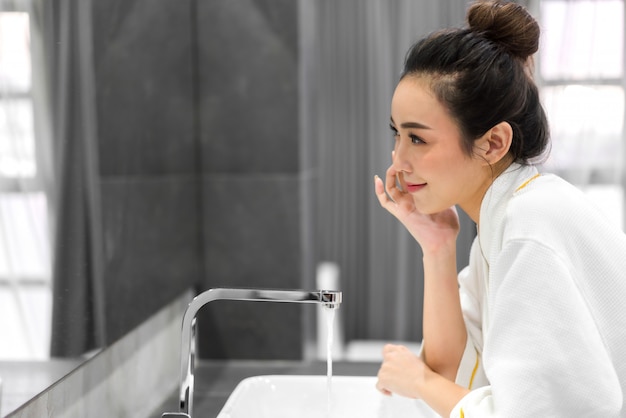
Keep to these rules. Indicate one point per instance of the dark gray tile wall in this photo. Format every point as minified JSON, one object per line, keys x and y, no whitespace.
{"x":248,"y":79}
{"x":144,"y":87}
{"x":251,"y":230}
{"x":249,"y":86}
{"x":252,"y":239}
{"x":151,"y":245}
{"x":198,"y":147}
{"x":147,"y":155}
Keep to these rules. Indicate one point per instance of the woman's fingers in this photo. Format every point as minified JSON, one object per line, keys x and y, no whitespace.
{"x":400,"y":372}
{"x":382,"y":196}
{"x":381,"y":389}
{"x":390,"y":348}
{"x":382,"y":380}
{"x":391,"y":198}
{"x":391,"y":185}
{"x":379,"y":187}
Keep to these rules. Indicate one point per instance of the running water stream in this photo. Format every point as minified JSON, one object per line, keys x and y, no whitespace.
{"x":330,"y":319}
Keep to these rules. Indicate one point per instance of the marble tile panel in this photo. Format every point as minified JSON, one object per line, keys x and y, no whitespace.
{"x":248,"y":67}
{"x":252,"y":239}
{"x":252,"y":230}
{"x":251,"y":330}
{"x":152,"y":246}
{"x":144,"y":91}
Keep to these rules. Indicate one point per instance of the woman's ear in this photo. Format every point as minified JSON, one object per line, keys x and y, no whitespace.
{"x":495,"y":144}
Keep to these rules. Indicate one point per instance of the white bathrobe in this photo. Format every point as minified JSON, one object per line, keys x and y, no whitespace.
{"x":544,"y":301}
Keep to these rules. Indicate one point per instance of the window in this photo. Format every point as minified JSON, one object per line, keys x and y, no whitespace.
{"x":25,"y":291}
{"x":580,"y":71}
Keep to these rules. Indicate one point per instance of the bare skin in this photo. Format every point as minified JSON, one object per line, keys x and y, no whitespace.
{"x":434,"y":174}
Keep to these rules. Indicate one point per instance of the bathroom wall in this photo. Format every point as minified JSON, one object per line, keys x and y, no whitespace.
{"x":147,"y":156}
{"x":197,"y":107}
{"x":248,"y":101}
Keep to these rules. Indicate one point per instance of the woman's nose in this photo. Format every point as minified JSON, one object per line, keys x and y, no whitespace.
{"x":398,"y":158}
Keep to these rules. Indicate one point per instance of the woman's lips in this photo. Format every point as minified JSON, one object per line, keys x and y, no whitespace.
{"x":412,"y":188}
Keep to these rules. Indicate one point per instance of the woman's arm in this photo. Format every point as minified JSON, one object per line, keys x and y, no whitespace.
{"x":444,"y":329}
{"x":404,"y":373}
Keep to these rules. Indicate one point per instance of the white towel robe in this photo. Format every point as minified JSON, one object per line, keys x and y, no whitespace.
{"x":544,"y":302}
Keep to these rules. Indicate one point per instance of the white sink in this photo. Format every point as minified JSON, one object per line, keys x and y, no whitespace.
{"x":307,"y":397}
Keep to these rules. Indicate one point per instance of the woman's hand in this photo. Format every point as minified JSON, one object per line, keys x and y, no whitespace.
{"x":401,"y":372}
{"x":404,"y":373}
{"x":431,"y":231}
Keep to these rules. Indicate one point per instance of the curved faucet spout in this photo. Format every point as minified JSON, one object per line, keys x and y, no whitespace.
{"x":328,"y":298}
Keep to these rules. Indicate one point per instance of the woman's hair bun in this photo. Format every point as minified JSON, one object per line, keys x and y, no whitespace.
{"x":506,"y":23}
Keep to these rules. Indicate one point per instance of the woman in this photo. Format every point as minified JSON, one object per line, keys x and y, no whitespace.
{"x":535,"y":325}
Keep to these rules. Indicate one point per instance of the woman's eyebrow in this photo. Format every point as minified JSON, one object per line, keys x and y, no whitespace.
{"x":415,"y":125}
{"x":407,"y":125}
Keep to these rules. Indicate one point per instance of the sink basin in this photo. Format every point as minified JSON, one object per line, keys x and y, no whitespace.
{"x":307,"y":397}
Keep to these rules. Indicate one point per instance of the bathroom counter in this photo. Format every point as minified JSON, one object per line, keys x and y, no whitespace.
{"x":22,"y":380}
{"x":216,"y":380}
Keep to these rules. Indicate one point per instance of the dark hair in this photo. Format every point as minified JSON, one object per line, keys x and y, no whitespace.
{"x":483,"y":75}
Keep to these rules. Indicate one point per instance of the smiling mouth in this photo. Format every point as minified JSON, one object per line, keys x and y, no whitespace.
{"x":412,"y":188}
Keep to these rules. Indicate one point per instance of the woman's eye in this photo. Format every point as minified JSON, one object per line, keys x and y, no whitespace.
{"x":416,"y":139}
{"x":413,"y":138}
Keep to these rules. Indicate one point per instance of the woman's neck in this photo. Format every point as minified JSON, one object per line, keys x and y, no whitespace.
{"x":472,"y":208}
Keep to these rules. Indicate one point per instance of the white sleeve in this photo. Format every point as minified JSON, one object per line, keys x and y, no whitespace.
{"x":543,"y":353}
{"x":471,"y":291}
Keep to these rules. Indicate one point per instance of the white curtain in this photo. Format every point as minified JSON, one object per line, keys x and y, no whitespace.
{"x":25,"y":294}
{"x":581,"y":72}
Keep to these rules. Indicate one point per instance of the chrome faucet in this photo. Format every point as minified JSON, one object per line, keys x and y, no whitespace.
{"x":328,"y":298}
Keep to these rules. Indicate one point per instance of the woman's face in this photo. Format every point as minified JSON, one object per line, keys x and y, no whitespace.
{"x":428,"y":153}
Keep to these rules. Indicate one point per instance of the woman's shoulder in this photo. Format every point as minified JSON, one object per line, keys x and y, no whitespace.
{"x":550,"y":205}
{"x":547,"y":191}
